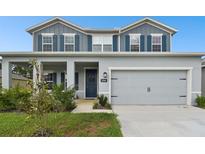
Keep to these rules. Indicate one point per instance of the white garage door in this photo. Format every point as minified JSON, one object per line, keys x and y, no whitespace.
{"x":149,"y":87}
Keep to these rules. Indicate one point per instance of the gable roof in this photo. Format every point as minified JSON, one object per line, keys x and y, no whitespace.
{"x":147,"y":20}
{"x":151,"y":22}
{"x":52,"y":22}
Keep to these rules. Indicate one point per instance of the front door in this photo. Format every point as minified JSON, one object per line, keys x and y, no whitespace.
{"x":91,"y":83}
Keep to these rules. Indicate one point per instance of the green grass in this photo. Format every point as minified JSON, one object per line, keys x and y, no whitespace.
{"x":62,"y":124}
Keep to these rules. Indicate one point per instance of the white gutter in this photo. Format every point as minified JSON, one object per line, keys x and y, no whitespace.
{"x":99,"y":54}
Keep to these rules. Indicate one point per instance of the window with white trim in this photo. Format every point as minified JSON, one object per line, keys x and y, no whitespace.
{"x":102,"y":43}
{"x":47,"y":42}
{"x":134,"y":42}
{"x":69,"y":42}
{"x":49,"y":80}
{"x":156,"y":43}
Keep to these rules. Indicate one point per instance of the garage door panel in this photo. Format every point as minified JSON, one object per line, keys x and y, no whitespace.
{"x":149,"y":87}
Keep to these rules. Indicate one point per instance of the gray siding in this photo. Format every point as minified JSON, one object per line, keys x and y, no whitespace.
{"x":145,"y":30}
{"x":203,"y":81}
{"x":106,"y":62}
{"x":59,"y":29}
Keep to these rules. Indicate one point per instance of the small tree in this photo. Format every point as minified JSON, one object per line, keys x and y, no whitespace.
{"x":40,"y":103}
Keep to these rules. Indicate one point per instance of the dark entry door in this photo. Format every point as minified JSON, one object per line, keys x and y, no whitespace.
{"x":91,"y":83}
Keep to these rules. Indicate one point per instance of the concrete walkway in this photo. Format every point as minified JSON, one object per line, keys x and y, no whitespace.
{"x":86,"y":106}
{"x":161,"y":121}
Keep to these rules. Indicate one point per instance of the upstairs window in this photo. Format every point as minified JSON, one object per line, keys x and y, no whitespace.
{"x":102,"y":43}
{"x":157,"y":42}
{"x":47,"y":42}
{"x":134,"y":42}
{"x":69,"y":42}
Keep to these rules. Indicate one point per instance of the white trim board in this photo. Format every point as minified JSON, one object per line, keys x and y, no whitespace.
{"x":196,"y":92}
{"x":188,"y":69}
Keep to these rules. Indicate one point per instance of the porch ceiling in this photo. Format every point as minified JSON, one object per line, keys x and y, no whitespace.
{"x":86,"y":64}
{"x":54,"y":65}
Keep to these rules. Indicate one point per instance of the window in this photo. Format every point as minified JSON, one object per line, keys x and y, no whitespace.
{"x":69,"y":42}
{"x":97,"y":47}
{"x":49,"y":80}
{"x":102,"y":43}
{"x":157,"y":43}
{"x":76,"y":81}
{"x":47,"y":42}
{"x":49,"y":77}
{"x":134,"y":42}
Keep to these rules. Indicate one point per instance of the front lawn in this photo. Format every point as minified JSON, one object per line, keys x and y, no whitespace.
{"x":62,"y":124}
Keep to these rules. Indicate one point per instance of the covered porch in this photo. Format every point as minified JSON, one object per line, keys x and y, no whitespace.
{"x":84,"y":76}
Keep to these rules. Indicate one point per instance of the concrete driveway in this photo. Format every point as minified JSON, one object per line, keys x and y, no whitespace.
{"x":161,"y":121}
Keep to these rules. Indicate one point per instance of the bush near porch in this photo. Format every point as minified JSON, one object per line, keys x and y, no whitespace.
{"x":15,"y":98}
{"x":10,"y":98}
{"x":102,"y":103}
{"x":65,"y":96}
{"x":61,"y":124}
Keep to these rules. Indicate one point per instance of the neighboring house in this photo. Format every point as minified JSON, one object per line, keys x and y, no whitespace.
{"x":203,"y":78}
{"x":130,"y":65}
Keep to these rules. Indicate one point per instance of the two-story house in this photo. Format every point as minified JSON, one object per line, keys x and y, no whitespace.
{"x":130,"y":65}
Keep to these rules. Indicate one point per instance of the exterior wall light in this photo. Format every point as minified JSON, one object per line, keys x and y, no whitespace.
{"x":105,"y":75}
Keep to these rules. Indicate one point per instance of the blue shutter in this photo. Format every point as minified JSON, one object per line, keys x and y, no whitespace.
{"x":141,"y":42}
{"x":89,"y":43}
{"x":54,"y":78}
{"x":77,"y":43}
{"x":127,"y":43}
{"x":62,"y":77}
{"x":164,"y":43}
{"x":115,"y":42}
{"x":55,"y":43}
{"x":39,"y":42}
{"x":61,"y":42}
{"x":149,"y":43}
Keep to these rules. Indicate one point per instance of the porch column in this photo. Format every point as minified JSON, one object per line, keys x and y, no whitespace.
{"x":6,"y":74}
{"x":70,"y":73}
{"x":40,"y":68}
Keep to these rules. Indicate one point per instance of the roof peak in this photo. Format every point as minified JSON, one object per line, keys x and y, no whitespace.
{"x":85,"y":30}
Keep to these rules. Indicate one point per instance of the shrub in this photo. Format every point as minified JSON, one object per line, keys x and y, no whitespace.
{"x":200,"y":100}
{"x":102,"y":100}
{"x":102,"y":103}
{"x":10,"y":98}
{"x":108,"y":106}
{"x":66,"y":97}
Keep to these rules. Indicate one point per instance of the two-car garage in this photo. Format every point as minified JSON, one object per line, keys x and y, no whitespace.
{"x":156,"y":86}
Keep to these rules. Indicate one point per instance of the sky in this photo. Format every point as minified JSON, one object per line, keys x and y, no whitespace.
{"x":189,"y":38}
